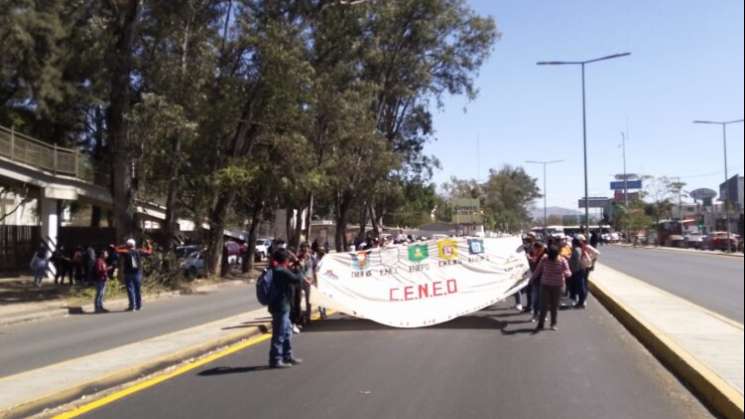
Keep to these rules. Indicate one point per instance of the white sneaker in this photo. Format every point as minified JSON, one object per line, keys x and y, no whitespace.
{"x":519,"y":307}
{"x":295,"y":329}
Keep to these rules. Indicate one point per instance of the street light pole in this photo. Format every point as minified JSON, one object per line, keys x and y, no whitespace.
{"x":583,"y":64}
{"x":727,"y":203}
{"x":545,"y":190}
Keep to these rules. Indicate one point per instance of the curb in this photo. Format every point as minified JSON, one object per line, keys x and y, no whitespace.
{"x":711,"y":389}
{"x":128,"y":375}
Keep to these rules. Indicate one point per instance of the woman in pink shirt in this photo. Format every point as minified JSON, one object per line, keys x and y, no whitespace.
{"x":553,"y":271}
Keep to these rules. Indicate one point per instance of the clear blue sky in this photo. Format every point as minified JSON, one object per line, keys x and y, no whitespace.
{"x":687,"y":64}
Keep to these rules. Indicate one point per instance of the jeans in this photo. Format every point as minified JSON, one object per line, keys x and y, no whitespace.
{"x":518,"y":298}
{"x":134,"y":283}
{"x":535,"y":298}
{"x":281,"y":347}
{"x":550,"y":296}
{"x":100,"y":291}
{"x":580,"y":285}
{"x":39,"y":274}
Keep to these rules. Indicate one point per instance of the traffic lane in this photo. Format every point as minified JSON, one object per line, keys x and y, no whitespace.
{"x":34,"y":345}
{"x":714,"y":282}
{"x":484,"y":366}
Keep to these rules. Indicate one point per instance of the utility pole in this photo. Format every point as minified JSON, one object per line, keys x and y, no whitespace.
{"x":582,"y":65}
{"x":724,"y":125}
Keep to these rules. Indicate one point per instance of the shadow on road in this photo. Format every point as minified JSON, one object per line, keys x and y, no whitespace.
{"x":218,"y":371}
{"x":260,"y":323}
{"x":484,"y":320}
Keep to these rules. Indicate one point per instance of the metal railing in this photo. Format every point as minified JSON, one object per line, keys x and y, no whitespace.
{"x":48,"y":157}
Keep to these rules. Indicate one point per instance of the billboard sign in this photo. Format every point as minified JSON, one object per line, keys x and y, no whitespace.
{"x":595,"y":202}
{"x":703,"y":194}
{"x":630,"y":184}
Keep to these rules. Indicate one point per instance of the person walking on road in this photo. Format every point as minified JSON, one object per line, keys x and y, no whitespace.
{"x":133,"y":271}
{"x":39,"y":265}
{"x":578,"y":273}
{"x":62,"y":266}
{"x":553,"y":270}
{"x":102,"y":276}
{"x":283,"y":279}
{"x":587,"y":258}
{"x":534,"y":292}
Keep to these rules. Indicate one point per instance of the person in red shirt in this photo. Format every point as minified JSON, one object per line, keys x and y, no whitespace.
{"x":101,"y":275}
{"x":552,"y":271}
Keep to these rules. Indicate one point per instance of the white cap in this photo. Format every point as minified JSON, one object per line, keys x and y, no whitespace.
{"x":131,"y":243}
{"x":581,"y":237}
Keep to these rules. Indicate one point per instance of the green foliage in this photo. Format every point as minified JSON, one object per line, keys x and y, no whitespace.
{"x":231,"y":109}
{"x":505,"y":197}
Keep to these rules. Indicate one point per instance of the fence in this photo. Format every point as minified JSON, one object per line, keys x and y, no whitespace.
{"x":58,"y":160}
{"x":17,"y":246}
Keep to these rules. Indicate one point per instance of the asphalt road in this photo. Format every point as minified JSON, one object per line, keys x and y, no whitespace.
{"x":484,"y":366}
{"x":714,"y":282}
{"x":33,"y":345}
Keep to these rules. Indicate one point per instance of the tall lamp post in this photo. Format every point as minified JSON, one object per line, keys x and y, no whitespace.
{"x":545,"y":191}
{"x":583,"y":64}
{"x":724,"y":125}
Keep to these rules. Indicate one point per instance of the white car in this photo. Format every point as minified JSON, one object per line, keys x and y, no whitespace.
{"x":695,"y":241}
{"x":262,"y":248}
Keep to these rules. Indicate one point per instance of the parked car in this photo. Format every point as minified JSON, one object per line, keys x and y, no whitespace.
{"x":695,"y":241}
{"x":262,"y":248}
{"x":193,"y":265}
{"x":718,"y":241}
{"x":184,"y":251}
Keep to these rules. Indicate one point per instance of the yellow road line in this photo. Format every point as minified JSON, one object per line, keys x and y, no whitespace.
{"x":161,"y":378}
{"x":167,"y":376}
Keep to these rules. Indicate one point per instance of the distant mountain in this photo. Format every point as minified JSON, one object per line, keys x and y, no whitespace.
{"x":537,"y":213}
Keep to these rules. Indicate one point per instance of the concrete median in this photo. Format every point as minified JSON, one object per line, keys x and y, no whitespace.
{"x":704,"y":349}
{"x":32,"y":391}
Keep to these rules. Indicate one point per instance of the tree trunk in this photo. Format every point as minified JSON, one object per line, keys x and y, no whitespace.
{"x":363,"y":223}
{"x":374,"y":220}
{"x":288,"y":227}
{"x":298,"y":231}
{"x":309,"y":218}
{"x":342,"y":212}
{"x":217,"y":231}
{"x":171,"y":222}
{"x":248,"y":264}
{"x":122,"y":166}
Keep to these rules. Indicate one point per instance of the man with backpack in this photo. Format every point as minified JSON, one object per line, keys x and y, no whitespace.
{"x":274,"y":289}
{"x":587,"y":255}
{"x":133,"y":271}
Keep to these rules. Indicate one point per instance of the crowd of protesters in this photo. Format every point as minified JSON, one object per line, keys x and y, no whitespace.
{"x":559,"y":268}
{"x":87,"y":266}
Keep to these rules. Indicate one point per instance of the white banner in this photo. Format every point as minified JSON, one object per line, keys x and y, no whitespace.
{"x":423,"y":284}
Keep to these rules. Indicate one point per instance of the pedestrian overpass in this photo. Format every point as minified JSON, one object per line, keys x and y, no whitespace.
{"x":57,"y":174}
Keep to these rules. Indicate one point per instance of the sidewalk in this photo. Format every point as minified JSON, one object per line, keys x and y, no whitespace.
{"x":31,"y":391}
{"x":54,"y":301}
{"x":685,"y":250}
{"x":704,"y":349}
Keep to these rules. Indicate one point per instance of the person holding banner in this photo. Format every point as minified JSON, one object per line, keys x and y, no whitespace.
{"x":283,"y":279}
{"x":553,"y":270}
{"x":534,"y":292}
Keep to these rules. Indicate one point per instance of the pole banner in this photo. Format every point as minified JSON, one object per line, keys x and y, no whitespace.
{"x":423,"y":284}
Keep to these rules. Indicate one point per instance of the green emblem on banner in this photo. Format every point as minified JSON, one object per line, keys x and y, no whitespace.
{"x":418,"y":253}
